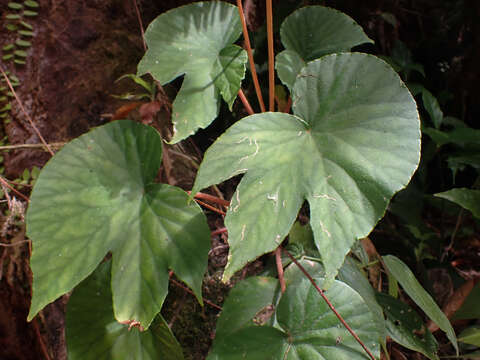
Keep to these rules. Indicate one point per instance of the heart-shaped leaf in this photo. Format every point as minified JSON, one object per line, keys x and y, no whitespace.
{"x":97,"y":195}
{"x":312,"y":32}
{"x":306,"y":327}
{"x":196,"y":40}
{"x":354,"y":142}
{"x":93,"y":333}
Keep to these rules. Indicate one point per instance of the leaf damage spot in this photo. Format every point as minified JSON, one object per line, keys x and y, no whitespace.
{"x":242,"y":236}
{"x":324,"y":196}
{"x":278,"y":239}
{"x":238,"y":201}
{"x":324,"y":229}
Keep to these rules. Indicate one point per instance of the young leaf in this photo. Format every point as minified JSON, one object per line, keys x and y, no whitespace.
{"x":23,"y":43}
{"x":20,"y":53}
{"x":196,"y":40}
{"x":8,"y":47}
{"x":97,"y":195}
{"x":433,"y":108}
{"x":466,"y":198}
{"x":30,"y":13}
{"x":92,"y":332}
{"x":354,"y":142}
{"x":12,"y":17}
{"x":417,"y":293}
{"x":15,"y":6}
{"x":403,"y":325}
{"x":306,"y":328}
{"x":312,"y":32}
{"x":26,"y":25}
{"x":470,"y":335}
{"x":31,"y":3}
{"x":25,"y":32}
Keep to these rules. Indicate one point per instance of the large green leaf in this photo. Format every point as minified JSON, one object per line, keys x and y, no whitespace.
{"x":97,"y":195}
{"x":350,"y":274}
{"x":354,"y":142}
{"x":306,"y":328}
{"x":196,"y":40}
{"x":404,"y":325}
{"x":466,"y":198}
{"x":417,"y":293}
{"x":312,"y":32}
{"x":93,"y":333}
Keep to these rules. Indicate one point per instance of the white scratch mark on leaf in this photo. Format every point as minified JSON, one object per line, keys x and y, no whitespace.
{"x":273,"y":197}
{"x":277,"y":239}
{"x":238,"y":201}
{"x":284,"y":203}
{"x":242,"y":140}
{"x":243,"y":232}
{"x":300,"y":133}
{"x":257,"y":148}
{"x":325,"y":230}
{"x":324,"y":196}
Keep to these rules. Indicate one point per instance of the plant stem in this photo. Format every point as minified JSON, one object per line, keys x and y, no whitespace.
{"x":25,"y":113}
{"x":211,"y":198}
{"x":31,"y":146}
{"x":6,"y":184}
{"x":278,"y":261}
{"x":250,"y":56}
{"x":245,"y":102}
{"x":271,"y":58}
{"x":330,"y":305}
{"x":140,"y":23}
{"x":210,"y":207}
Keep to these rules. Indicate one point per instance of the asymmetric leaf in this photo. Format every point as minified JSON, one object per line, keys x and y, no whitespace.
{"x":306,"y":328}
{"x":196,"y":40}
{"x":353,"y":142}
{"x":312,"y":32}
{"x":466,"y":198}
{"x":419,"y":295}
{"x":404,"y":326}
{"x":97,"y":195}
{"x":93,"y":333}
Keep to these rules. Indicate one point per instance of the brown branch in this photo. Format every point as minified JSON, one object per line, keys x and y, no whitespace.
{"x":140,"y":23}
{"x":250,"y":56}
{"x":25,"y":113}
{"x":219,"y":231}
{"x":18,"y":193}
{"x":211,"y":198}
{"x":330,"y":305}
{"x":14,"y":244}
{"x":210,"y":207}
{"x":245,"y":102}
{"x":271,"y":57}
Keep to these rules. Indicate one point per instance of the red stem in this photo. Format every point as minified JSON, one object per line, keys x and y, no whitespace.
{"x":211,"y":198}
{"x":250,"y":56}
{"x":278,"y":261}
{"x":210,"y":207}
{"x":245,"y":102}
{"x":271,"y":57}
{"x":330,"y":305}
